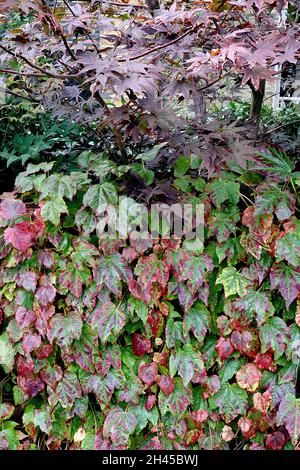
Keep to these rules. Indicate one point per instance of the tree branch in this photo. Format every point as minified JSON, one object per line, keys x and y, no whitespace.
{"x":159,"y":48}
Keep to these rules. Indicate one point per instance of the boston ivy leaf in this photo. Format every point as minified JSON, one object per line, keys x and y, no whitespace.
{"x":11,"y":209}
{"x":287,"y":280}
{"x":221,"y":190}
{"x":6,"y":410}
{"x":231,"y":401}
{"x":108,"y":319}
{"x":275,"y":335}
{"x":99,"y":195}
{"x":68,"y":390}
{"x":255,"y":305}
{"x":52,"y":209}
{"x":111,"y":271}
{"x":288,"y":415}
{"x":177,"y":402}
{"x":273,"y":199}
{"x":118,"y":425}
{"x":248,"y":377}
{"x":173,"y":332}
{"x":288,"y":247}
{"x":223,"y":223}
{"x":65,"y":328}
{"x":197,"y":320}
{"x":73,"y":279}
{"x":140,"y":345}
{"x":148,"y":373}
{"x":233,"y":282}
{"x":151,"y":269}
{"x":20,"y":236}
{"x":187,"y":361}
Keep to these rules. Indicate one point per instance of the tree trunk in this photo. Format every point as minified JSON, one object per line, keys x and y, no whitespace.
{"x":257,"y":101}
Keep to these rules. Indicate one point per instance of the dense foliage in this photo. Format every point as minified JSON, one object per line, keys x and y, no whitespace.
{"x":116,"y":344}
{"x":143,"y":343}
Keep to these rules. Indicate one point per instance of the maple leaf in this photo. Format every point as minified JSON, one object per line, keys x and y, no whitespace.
{"x":233,"y":282}
{"x":187,"y":362}
{"x":118,"y":425}
{"x":248,"y":377}
{"x":288,"y":415}
{"x":275,"y":335}
{"x":231,"y":401}
{"x":287,"y":280}
{"x":108,"y":319}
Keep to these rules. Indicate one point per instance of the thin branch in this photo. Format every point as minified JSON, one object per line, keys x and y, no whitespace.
{"x":41,"y":75}
{"x":214,"y":81}
{"x":19,"y":95}
{"x":159,"y":48}
{"x":34,"y":66}
{"x":282,"y":125}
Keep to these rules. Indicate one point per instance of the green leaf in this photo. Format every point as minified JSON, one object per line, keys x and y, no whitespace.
{"x":187,"y":361}
{"x":99,"y":195}
{"x":233,"y":282}
{"x":177,"y":402}
{"x":108,"y":319}
{"x":197,"y":320}
{"x":221,"y":190}
{"x":288,"y":247}
{"x":182,"y":165}
{"x":275,"y":335}
{"x":7,"y":353}
{"x":119,"y":424}
{"x":288,"y":415}
{"x":65,"y":328}
{"x":52,"y":209}
{"x":231,"y":401}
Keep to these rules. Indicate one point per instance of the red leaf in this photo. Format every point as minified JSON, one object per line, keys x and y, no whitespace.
{"x":20,"y":236}
{"x":166,"y":384}
{"x":264,"y":361}
{"x":224,"y":348}
{"x":248,"y":377}
{"x":148,"y":373}
{"x":12,"y":209}
{"x":140,"y":345}
{"x":150,"y":402}
{"x":275,"y":441}
{"x":31,"y":342}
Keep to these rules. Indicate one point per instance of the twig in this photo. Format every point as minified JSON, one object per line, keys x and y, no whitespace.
{"x":162,"y":46}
